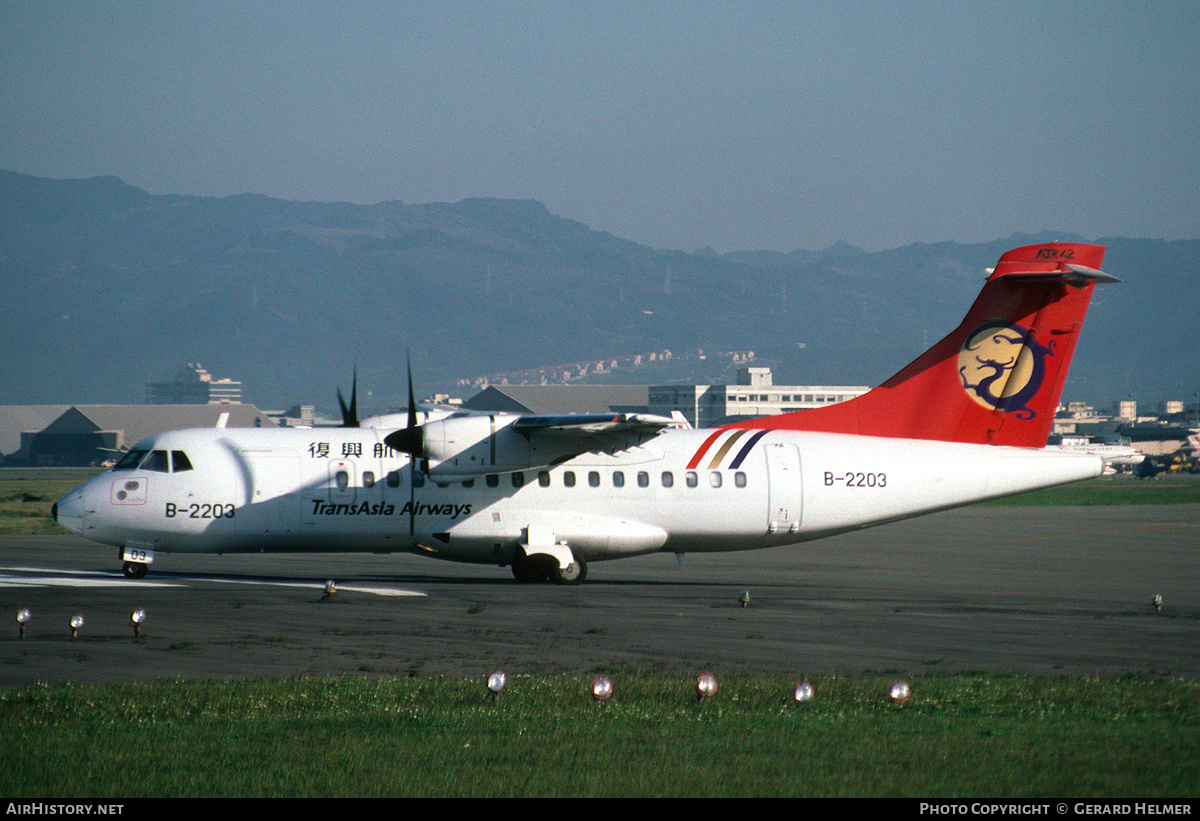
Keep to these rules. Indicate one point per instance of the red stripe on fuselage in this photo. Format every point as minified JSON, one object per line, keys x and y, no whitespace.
{"x":699,"y":454}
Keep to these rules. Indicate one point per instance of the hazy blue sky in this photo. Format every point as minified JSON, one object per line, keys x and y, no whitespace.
{"x":738,"y":125}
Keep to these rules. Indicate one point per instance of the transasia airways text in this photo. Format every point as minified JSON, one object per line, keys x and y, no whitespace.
{"x":323,"y":508}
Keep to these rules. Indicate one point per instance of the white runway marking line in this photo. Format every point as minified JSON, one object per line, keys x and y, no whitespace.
{"x":69,"y":579}
{"x":84,"y":578}
{"x":376,"y":591}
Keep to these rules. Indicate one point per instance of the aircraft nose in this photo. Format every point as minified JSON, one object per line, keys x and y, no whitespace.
{"x":69,"y":511}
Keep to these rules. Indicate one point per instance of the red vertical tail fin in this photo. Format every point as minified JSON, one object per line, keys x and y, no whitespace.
{"x":997,"y":378}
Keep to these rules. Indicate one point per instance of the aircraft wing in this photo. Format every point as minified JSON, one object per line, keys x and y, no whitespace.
{"x":591,"y":424}
{"x":471,"y":444}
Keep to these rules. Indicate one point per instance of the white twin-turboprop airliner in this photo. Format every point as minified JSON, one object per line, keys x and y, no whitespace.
{"x":546,"y":495}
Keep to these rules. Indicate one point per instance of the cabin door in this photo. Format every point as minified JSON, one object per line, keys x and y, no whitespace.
{"x":784,"y":488}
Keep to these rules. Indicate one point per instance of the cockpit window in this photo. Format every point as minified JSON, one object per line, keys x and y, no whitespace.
{"x":131,"y":460}
{"x":154,"y":460}
{"x":157,"y":462}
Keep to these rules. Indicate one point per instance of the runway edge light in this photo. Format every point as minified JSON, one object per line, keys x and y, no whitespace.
{"x":136,"y":618}
{"x":602,"y":688}
{"x":496,"y":681}
{"x":803,"y":692}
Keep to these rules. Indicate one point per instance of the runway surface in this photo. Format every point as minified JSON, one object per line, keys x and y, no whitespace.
{"x":1043,"y":590}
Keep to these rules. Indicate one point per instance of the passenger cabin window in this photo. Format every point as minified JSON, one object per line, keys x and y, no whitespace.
{"x":643,"y":479}
{"x":544,"y":478}
{"x":569,"y":479}
{"x":668,"y":479}
{"x":368,"y":478}
{"x":343,"y":480}
{"x":393,"y":478}
{"x":739,"y":479}
{"x":714,"y":478}
{"x":618,"y":479}
{"x":493,"y":480}
{"x":518,"y":479}
{"x":593,"y":479}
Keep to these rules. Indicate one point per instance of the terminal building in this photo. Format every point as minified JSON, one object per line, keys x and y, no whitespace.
{"x":754,"y":395}
{"x":193,"y":385}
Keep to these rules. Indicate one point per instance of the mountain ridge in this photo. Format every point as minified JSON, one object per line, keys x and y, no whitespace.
{"x":110,"y":286}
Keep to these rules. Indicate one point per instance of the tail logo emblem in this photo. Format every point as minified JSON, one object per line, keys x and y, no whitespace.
{"x":1002,"y":367}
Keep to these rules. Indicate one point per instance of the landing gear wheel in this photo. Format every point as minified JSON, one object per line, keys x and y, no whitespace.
{"x":530,"y":569}
{"x":134,"y":570}
{"x":574,"y":573}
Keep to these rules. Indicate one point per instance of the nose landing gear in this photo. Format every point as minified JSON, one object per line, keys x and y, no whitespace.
{"x":137,"y":561}
{"x":135,"y":570}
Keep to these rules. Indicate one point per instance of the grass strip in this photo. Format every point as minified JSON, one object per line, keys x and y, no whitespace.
{"x":1111,"y":491}
{"x":27,"y":494}
{"x":981,"y":735}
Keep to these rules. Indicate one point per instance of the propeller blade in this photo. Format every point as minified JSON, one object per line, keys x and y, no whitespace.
{"x":411,"y":439}
{"x":412,"y":400}
{"x":350,"y":412}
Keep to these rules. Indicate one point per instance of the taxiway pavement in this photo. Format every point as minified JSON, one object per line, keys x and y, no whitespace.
{"x":1043,"y":590}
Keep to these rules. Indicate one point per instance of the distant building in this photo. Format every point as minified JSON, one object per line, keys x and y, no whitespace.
{"x":193,"y":385}
{"x":93,"y":434}
{"x":1079,"y":410}
{"x":754,"y":395}
{"x":297,"y":416}
{"x":702,"y":405}
{"x":17,"y":424}
{"x":1126,"y":409}
{"x":561,"y":399}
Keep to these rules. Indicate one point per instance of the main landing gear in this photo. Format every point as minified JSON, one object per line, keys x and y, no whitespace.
{"x":539,"y":567}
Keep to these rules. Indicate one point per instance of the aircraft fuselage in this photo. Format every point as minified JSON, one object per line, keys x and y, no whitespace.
{"x":344,"y":490}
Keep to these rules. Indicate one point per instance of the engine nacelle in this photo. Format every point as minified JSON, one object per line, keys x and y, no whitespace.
{"x":472,"y":445}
